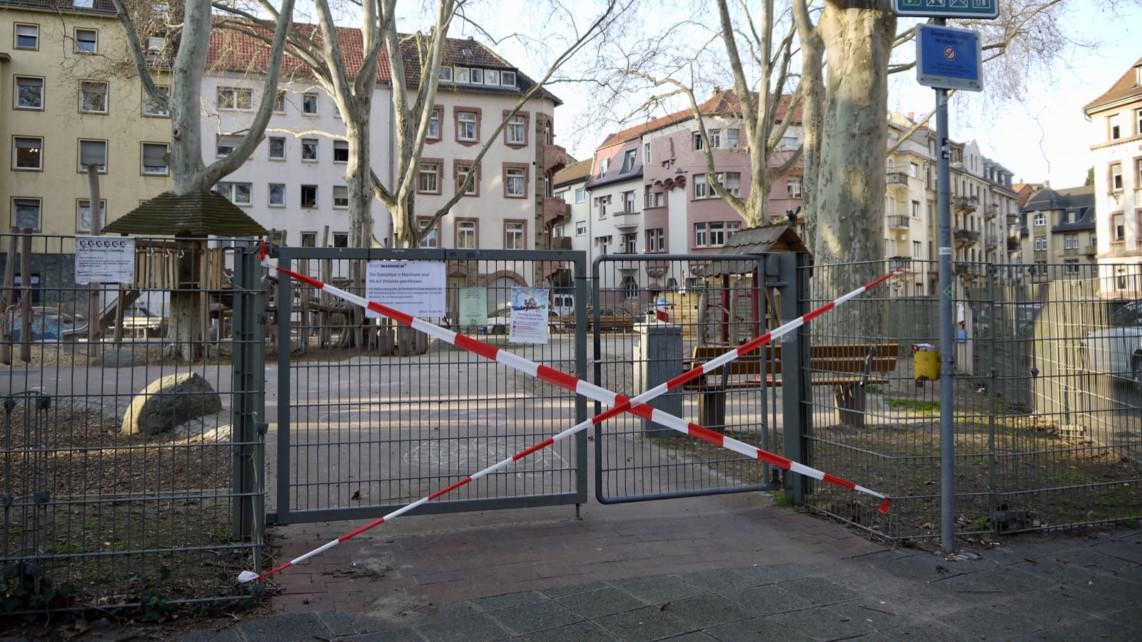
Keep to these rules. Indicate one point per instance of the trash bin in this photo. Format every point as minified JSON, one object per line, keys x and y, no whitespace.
{"x":658,"y":358}
{"x":925,"y":362}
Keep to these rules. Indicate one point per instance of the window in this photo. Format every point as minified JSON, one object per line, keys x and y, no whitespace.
{"x":477,"y":76}
{"x":514,"y":235}
{"x":151,"y":107}
{"x":698,"y":140}
{"x":428,"y":178}
{"x":308,"y":196}
{"x":433,"y":133}
{"x":515,"y":182}
{"x":466,"y":234}
{"x":340,"y":151}
{"x":236,"y":193}
{"x":309,"y":239}
{"x":720,"y":232}
{"x":580,"y":194}
{"x":516,"y":131}
{"x":1040,"y":219}
{"x":492,"y":77}
{"x":462,"y":170}
{"x":604,"y":165}
{"x":507,"y":79}
{"x":657,"y":199}
{"x":155,"y":159}
{"x":1116,"y":177}
{"x":83,"y":214}
{"x":276,"y":194}
{"x":700,"y":235}
{"x":462,"y":74}
{"x":1071,"y":243}
{"x":28,"y":153}
{"x":446,"y":75}
{"x":277,"y":147}
{"x":26,"y":213}
{"x":467,"y":126}
{"x":93,"y":153}
{"x":428,"y":237}
{"x":1118,"y":227}
{"x":86,"y":41}
{"x":793,"y":185}
{"x":916,"y":250}
{"x":29,"y":93}
{"x":27,"y":37}
{"x":309,"y":103}
{"x":788,"y":141}
{"x":1138,"y":122}
{"x":715,"y":138}
{"x":913,"y":170}
{"x":603,"y":242}
{"x":732,"y":183}
{"x":1071,"y":266}
{"x":340,"y":197}
{"x":279,"y":101}
{"x":225,"y":145}
{"x":628,"y":202}
{"x":915,"y":209}
{"x":629,"y":243}
{"x":732,"y":138}
{"x":646,"y":153}
{"x":656,"y":240}
{"x":628,"y":161}
{"x":309,"y":150}
{"x":340,"y":239}
{"x":92,"y":97}
{"x":235,"y":98}
{"x":580,"y":228}
{"x":601,"y":203}
{"x":1137,"y":176}
{"x":1040,"y":243}
{"x":701,"y":190}
{"x":1114,"y":125}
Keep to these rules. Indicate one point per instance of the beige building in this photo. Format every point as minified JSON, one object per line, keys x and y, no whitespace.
{"x":69,"y":98}
{"x":1061,"y":231}
{"x":1116,"y":118}
{"x":910,"y":205}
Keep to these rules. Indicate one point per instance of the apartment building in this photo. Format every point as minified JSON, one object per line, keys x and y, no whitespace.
{"x":1061,"y":230}
{"x":909,"y":203}
{"x":67,"y":105}
{"x":570,"y":186}
{"x":1116,"y":119}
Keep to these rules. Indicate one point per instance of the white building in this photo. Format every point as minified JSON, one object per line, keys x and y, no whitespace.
{"x":570,"y":185}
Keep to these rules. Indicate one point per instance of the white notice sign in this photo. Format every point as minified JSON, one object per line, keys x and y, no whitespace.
{"x":104,"y":259}
{"x":529,"y":316}
{"x":413,"y":287}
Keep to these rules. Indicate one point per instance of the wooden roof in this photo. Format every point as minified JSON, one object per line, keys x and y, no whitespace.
{"x":194,"y":214}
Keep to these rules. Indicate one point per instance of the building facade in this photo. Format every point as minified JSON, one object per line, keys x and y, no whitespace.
{"x":570,"y":186}
{"x":1061,"y":231}
{"x":1116,"y":121}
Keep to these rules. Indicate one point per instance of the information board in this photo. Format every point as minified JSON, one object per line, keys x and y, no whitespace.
{"x":413,"y":287}
{"x":104,"y":259}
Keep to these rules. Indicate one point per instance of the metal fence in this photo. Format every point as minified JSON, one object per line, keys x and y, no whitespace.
{"x":128,"y":460}
{"x":1047,"y":399}
{"x":369,"y":416}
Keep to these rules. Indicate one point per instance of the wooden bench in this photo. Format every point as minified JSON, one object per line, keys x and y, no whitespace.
{"x":846,"y":367}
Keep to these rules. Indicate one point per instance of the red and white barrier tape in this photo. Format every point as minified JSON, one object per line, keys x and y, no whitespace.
{"x":620,"y":403}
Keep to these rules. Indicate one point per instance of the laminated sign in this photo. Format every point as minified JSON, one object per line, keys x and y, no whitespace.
{"x":413,"y":287}
{"x":529,"y":316}
{"x":104,"y":259}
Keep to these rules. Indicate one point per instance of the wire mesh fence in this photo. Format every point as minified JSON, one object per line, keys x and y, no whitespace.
{"x":118,"y":447}
{"x":1048,"y":427}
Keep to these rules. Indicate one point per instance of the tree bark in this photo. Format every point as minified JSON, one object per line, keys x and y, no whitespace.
{"x":812,"y":106}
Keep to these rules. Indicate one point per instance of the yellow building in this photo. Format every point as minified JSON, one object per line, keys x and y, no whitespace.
{"x":1061,"y":231}
{"x":69,"y":97}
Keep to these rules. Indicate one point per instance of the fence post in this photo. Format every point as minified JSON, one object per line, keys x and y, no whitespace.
{"x":26,"y":295}
{"x":246,"y":384}
{"x":9,"y":298}
{"x":797,"y":394}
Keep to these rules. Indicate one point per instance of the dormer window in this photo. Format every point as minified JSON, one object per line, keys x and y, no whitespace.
{"x":462,"y":74}
{"x":477,"y":76}
{"x":1138,"y":76}
{"x":446,"y":73}
{"x":492,"y":77}
{"x":603,"y":164}
{"x":507,"y":79}
{"x":628,"y":161}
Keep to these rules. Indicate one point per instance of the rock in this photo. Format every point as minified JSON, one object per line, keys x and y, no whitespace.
{"x":116,"y":359}
{"x":168,"y":402}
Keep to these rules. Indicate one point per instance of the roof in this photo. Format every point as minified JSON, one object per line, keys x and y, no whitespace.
{"x":722,"y":102}
{"x":1126,"y":87}
{"x":756,"y":240}
{"x":615,"y":167}
{"x":573,"y":173}
{"x":244,"y":53}
{"x":195,"y":214}
{"x":1071,"y":201}
{"x":105,"y":7}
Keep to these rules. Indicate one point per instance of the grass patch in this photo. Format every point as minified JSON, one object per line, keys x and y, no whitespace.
{"x":915,"y":405}
{"x":782,"y":498}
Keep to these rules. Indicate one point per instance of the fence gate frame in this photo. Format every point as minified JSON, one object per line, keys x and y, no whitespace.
{"x":283,"y":514}
{"x":780,"y":271}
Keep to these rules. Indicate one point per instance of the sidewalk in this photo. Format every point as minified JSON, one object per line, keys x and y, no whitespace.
{"x":731,"y":567}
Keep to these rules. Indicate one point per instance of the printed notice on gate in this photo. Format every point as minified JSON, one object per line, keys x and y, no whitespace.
{"x":104,"y":259}
{"x":529,"y":316}
{"x":413,"y":287}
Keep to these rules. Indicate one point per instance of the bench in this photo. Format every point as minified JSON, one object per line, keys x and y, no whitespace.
{"x":846,"y":367}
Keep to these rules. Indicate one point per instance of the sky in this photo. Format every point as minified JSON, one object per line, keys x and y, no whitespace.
{"x":1044,"y":136}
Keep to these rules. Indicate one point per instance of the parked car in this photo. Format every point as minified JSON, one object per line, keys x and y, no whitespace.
{"x":1118,"y":349}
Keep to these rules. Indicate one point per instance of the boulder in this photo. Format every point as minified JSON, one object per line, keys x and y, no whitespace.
{"x":169,"y":401}
{"x":115,"y":359}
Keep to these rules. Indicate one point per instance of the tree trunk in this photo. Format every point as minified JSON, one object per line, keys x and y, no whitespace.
{"x":812,"y":106}
{"x":360,"y":187}
{"x":849,"y":194}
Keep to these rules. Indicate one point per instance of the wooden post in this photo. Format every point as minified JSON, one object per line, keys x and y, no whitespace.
{"x":26,"y":295}
{"x":9,"y":298}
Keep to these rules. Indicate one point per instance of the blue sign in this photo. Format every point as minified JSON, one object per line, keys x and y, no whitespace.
{"x":979,"y":9}
{"x":948,"y":58}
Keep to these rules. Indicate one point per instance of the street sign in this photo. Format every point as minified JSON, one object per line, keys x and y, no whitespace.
{"x":948,"y":58}
{"x":979,"y":9}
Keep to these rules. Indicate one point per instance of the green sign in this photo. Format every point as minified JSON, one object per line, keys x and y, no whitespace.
{"x":979,"y":9}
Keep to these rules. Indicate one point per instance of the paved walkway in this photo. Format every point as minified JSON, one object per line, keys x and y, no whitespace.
{"x":716,"y":568}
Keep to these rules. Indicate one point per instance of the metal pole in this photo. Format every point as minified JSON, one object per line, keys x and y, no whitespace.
{"x":947,"y":356}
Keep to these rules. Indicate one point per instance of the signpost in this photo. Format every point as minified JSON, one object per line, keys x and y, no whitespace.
{"x":946,"y":59}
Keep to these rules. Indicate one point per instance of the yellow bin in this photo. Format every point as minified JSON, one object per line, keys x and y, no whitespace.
{"x":926,"y":365}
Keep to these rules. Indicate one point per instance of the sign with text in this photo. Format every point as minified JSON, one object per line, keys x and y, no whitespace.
{"x":529,"y":316}
{"x":979,"y":9}
{"x":104,"y":259}
{"x":473,"y":307}
{"x":948,"y":58}
{"x":413,"y":287}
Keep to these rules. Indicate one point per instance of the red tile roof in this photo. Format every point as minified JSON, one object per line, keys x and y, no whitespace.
{"x":722,"y":102}
{"x":1126,"y":87}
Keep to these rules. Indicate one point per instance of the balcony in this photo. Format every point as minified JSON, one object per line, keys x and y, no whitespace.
{"x":991,"y":211}
{"x":898,"y":180}
{"x":964,"y":204}
{"x":1070,"y":251}
{"x":1013,"y":219}
{"x":555,"y":158}
{"x":555,"y":210}
{"x":1013,"y":244}
{"x":966,"y":237}
{"x":560,"y":243}
{"x":1090,"y":250}
{"x":898,"y":223}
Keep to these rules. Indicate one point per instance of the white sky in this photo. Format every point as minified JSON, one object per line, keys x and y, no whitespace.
{"x":1044,"y":136}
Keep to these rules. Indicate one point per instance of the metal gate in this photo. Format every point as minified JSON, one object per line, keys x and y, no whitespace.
{"x":370,"y":416}
{"x":713,"y":302}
